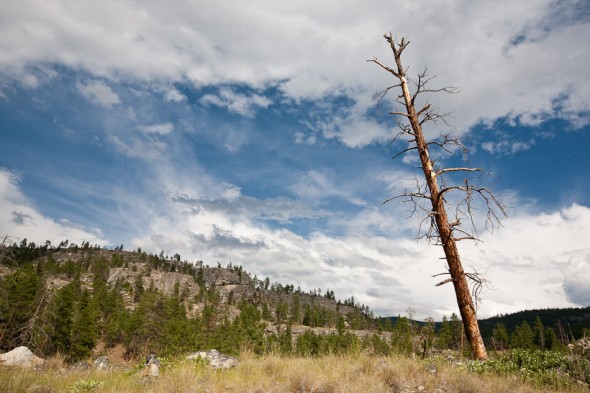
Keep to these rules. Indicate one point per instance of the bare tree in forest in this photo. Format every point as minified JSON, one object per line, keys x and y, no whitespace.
{"x":444,"y":220}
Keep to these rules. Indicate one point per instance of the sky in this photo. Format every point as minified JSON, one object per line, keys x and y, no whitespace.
{"x":248,"y":133}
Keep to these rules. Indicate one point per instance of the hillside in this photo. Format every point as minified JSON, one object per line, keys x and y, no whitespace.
{"x":69,"y":298}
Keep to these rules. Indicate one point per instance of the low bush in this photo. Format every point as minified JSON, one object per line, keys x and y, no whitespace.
{"x":541,"y":368}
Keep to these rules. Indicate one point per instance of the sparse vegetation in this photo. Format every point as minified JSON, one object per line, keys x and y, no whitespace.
{"x":277,"y":373}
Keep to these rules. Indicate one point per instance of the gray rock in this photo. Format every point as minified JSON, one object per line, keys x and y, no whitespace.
{"x":102,"y":363}
{"x":20,"y":357}
{"x":80,"y":366}
{"x":216,"y":359}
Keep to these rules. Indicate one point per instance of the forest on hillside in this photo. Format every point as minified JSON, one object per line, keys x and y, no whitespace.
{"x":70,"y":298}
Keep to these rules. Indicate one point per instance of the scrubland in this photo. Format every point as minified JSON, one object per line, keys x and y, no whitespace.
{"x":282,"y":374}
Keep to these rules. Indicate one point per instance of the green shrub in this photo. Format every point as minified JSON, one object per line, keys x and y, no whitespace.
{"x":545,"y":368}
{"x":84,"y":385}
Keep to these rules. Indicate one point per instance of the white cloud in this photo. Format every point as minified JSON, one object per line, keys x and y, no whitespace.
{"x":149,"y":149}
{"x":506,"y":147}
{"x":99,"y":93}
{"x":515,"y":61}
{"x":314,"y":185}
{"x":171,"y":94}
{"x":242,"y":104}
{"x":162,"y":128}
{"x":361,"y":132}
{"x":19,"y":219}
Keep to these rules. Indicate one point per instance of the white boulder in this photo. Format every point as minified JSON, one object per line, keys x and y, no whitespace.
{"x":20,"y":357}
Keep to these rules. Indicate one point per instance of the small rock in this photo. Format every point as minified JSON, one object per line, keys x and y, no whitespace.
{"x":216,"y":359}
{"x":102,"y":363}
{"x":431,"y":368}
{"x":80,"y":366}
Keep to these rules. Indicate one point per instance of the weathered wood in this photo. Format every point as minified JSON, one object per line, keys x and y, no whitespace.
{"x":443,"y":226}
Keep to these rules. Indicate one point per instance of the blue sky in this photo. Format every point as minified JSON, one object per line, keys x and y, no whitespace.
{"x":248,"y":133}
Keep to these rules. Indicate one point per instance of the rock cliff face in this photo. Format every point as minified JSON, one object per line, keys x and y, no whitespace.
{"x":128,"y":271}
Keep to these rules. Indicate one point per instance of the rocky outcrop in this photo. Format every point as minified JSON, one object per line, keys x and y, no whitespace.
{"x":20,"y":357}
{"x":215,"y":358}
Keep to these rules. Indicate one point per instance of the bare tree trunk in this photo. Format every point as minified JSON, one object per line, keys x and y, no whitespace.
{"x":436,"y":196}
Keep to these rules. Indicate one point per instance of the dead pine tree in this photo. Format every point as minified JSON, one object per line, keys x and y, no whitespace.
{"x":431,"y":195}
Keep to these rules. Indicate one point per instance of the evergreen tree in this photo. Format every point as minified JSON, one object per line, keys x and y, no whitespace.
{"x":296,"y":310}
{"x":457,"y":330}
{"x":281,"y":310}
{"x":427,"y":334}
{"x":22,"y":296}
{"x":138,"y":289}
{"x":84,"y":329}
{"x":286,"y":340}
{"x":60,"y":318}
{"x":387,"y":325}
{"x":248,"y":327}
{"x":539,"y":331}
{"x":500,"y":335}
{"x":402,"y":336}
{"x":265,"y":312}
{"x":523,"y":337}
{"x":551,"y":340}
{"x":112,"y":314}
{"x":445,"y":334}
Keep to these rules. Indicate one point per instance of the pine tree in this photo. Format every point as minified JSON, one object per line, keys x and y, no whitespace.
{"x":295,"y":310}
{"x":84,"y":328}
{"x":60,"y":318}
{"x":523,"y":337}
{"x":539,"y":331}
{"x":445,"y":334}
{"x":500,"y":336}
{"x":551,"y":340}
{"x":457,"y":329}
{"x":22,"y":295}
{"x":402,"y":336}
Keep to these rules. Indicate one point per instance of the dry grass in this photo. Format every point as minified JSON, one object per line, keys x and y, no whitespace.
{"x":271,"y":373}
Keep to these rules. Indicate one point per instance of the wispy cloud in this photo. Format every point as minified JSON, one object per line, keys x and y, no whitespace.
{"x":505,"y":147}
{"x":242,"y":104}
{"x":99,"y":93}
{"x":162,"y":128}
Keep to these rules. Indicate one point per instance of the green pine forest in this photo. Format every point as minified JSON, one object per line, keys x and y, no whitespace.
{"x":70,"y":298}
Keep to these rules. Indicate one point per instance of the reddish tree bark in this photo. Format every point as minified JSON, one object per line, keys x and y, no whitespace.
{"x":441,"y":227}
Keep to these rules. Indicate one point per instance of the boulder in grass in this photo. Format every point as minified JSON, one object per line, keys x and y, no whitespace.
{"x":20,"y":357}
{"x":215,"y":358}
{"x":102,"y":363}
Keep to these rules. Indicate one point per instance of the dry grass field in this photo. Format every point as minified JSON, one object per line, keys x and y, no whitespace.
{"x":273,"y":373}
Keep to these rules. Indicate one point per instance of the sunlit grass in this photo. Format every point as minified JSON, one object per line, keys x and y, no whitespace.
{"x":273,"y":373}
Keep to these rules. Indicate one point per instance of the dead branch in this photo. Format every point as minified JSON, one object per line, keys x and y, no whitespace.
{"x":447,"y":170}
{"x":477,"y":283}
